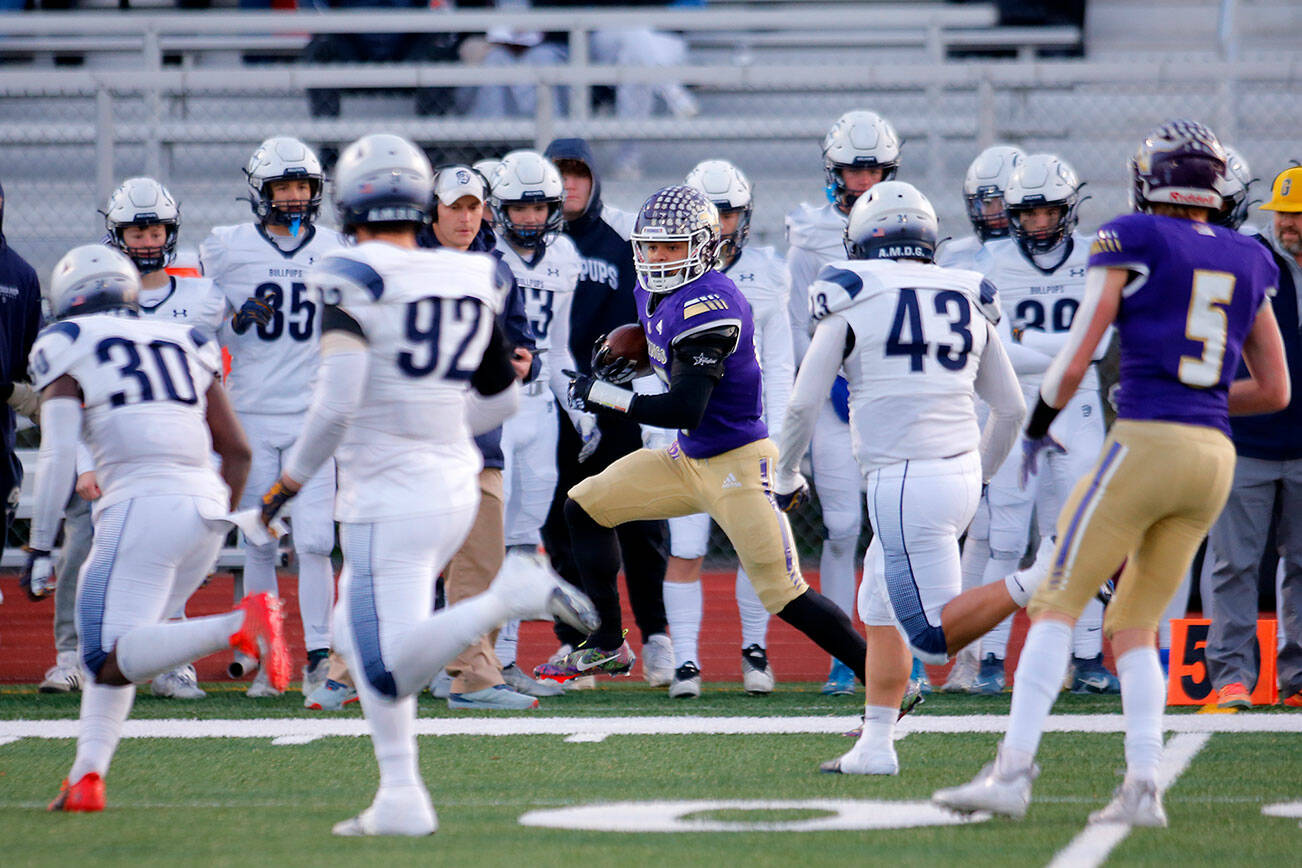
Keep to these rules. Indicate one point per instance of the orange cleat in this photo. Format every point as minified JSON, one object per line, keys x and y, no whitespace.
{"x":1294,"y":701}
{"x":86,"y":795}
{"x":1233,"y":695}
{"x":262,"y":636}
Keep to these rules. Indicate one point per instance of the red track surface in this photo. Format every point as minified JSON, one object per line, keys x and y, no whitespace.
{"x":27,"y":639}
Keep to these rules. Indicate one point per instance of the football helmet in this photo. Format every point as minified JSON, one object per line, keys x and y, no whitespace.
{"x":1179,"y":163}
{"x":984,"y":186}
{"x":524,"y":178}
{"x":892,"y":221}
{"x":677,"y":213}
{"x":143,"y":202}
{"x":383,"y":178}
{"x":486,"y":167}
{"x":1234,"y":191}
{"x":93,"y":278}
{"x":284,"y":158}
{"x":1040,"y":180}
{"x":729,"y":190}
{"x":858,"y":140}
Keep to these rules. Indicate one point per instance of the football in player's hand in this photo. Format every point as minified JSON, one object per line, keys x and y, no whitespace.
{"x":629,"y":342}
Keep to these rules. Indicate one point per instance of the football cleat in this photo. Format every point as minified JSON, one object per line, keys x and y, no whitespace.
{"x":499,"y":697}
{"x":686,"y":683}
{"x":918,"y":681}
{"x":840,"y":680}
{"x":588,"y":661}
{"x":315,"y":674}
{"x":180,"y":683}
{"x":756,"y":674}
{"x":1234,"y":695}
{"x":84,"y":796}
{"x":990,"y":679}
{"x":1089,"y":676}
{"x":402,"y":811}
{"x":261,"y":687}
{"x":331,"y":696}
{"x":64,"y":676}
{"x":658,"y":660}
{"x":540,"y":594}
{"x":262,"y":636}
{"x":868,"y":761}
{"x":441,"y":686}
{"x":998,"y":793}
{"x":516,"y":679}
{"x":964,"y":672}
{"x":1135,"y":803}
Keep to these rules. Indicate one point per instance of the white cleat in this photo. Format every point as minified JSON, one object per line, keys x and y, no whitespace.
{"x":658,"y":660}
{"x":404,"y":811}
{"x":1007,"y":795}
{"x":261,"y":687}
{"x":869,"y":761}
{"x":962,"y":678}
{"x":756,"y":674}
{"x":181,"y":683}
{"x":532,"y":591}
{"x":64,"y":676}
{"x":1135,"y":803}
{"x":314,"y":676}
{"x":686,"y":683}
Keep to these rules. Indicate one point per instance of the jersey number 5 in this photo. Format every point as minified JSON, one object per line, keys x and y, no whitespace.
{"x":1206,"y":323}
{"x":908,"y":339}
{"x":446,"y":337}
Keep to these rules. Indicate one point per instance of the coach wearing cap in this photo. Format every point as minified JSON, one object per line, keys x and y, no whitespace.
{"x":1267,"y":488}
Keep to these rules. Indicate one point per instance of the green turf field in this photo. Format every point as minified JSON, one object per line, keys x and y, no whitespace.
{"x":267,"y":798}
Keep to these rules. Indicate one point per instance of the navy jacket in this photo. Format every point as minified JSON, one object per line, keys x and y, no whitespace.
{"x":1277,"y":436}
{"x":513,"y":321}
{"x":603,"y":300}
{"x":20,"y":321}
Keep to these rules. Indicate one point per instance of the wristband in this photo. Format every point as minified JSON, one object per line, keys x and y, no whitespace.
{"x":1041,"y":418}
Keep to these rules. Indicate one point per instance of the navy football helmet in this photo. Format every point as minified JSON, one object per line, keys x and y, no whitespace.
{"x":676,"y":214}
{"x":1179,"y":163}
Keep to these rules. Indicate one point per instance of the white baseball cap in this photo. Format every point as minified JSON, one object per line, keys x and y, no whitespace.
{"x":453,"y":182}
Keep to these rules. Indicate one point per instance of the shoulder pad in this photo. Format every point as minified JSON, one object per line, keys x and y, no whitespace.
{"x":343,"y":279}
{"x":989,"y":302}
{"x":52,"y":353}
{"x":725,"y":331}
{"x":836,"y":288}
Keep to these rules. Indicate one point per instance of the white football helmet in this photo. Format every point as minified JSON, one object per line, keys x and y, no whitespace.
{"x":93,"y":278}
{"x":1040,"y":180}
{"x":729,"y":190}
{"x":383,"y":178}
{"x":283,"y":158}
{"x":143,"y":202}
{"x":526,"y":177}
{"x":858,"y":140}
{"x":1234,"y":191}
{"x":893,"y":220}
{"x":983,"y":189}
{"x":675,"y":214}
{"x":486,"y":167}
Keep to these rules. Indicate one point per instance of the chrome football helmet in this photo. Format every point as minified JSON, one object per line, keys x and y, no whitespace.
{"x":1179,"y":163}
{"x":143,"y":202}
{"x":729,"y":190}
{"x":893,"y":220}
{"x":525,"y":178}
{"x":983,"y":190}
{"x":858,"y":140}
{"x":383,"y":178}
{"x":1042,"y":180}
{"x":1235,"y":191}
{"x":675,"y":214}
{"x":93,"y":278}
{"x":282,"y":158}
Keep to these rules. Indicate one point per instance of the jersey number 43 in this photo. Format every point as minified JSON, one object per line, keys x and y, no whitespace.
{"x":908,"y":335}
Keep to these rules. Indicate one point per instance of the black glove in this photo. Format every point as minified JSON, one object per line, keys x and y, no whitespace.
{"x":274,"y":501}
{"x":793,"y":500}
{"x":254,"y":310}
{"x":580,"y":386}
{"x":38,"y":577}
{"x":612,"y":369}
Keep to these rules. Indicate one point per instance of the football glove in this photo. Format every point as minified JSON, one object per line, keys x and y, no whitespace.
{"x":794,"y":498}
{"x":274,"y":501}
{"x":580,"y":386}
{"x":254,"y":310}
{"x":1031,"y":450}
{"x":591,"y":436}
{"x":38,"y":577}
{"x":611,"y":368}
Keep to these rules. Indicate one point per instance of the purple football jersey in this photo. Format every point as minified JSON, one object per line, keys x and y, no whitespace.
{"x":734,"y":414}
{"x":1182,"y":331}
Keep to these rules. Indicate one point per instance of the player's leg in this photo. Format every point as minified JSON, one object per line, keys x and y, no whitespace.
{"x":838,"y":481}
{"x":267,"y":439}
{"x":313,"y":520}
{"x":644,"y":550}
{"x":1010,"y":508}
{"x":66,"y":674}
{"x":688,"y":537}
{"x":756,"y":673}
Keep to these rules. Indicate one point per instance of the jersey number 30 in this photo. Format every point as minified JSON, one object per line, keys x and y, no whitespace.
{"x":907,"y":337}
{"x":445,"y":337}
{"x":162,"y":374}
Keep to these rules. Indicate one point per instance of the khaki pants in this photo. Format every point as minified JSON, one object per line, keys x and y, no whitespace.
{"x":470,"y":572}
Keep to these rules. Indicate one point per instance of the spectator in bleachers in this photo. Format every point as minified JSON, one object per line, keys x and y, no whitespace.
{"x":1267,"y":490}
{"x":20,"y":320}
{"x":503,"y":46}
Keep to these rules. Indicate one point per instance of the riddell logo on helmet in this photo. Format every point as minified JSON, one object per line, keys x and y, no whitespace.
{"x":1206,"y":199}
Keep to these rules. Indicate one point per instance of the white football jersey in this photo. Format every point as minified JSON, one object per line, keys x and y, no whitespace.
{"x":815,"y":237}
{"x":548,"y":288}
{"x":189,"y":300}
{"x":919,"y":337}
{"x":1042,"y":305}
{"x":428,"y":316}
{"x":761,"y":275}
{"x":272,"y":366}
{"x":970,"y":253}
{"x":144,"y":383}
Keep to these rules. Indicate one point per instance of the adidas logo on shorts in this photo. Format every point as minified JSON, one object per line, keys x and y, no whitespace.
{"x":731,"y":482}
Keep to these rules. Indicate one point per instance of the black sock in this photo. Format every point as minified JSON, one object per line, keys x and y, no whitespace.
{"x":823,"y":621}
{"x":596,"y":554}
{"x":316,"y":655}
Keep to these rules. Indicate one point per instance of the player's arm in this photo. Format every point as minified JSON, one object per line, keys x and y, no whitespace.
{"x":832,"y":341}
{"x":1098,"y":310}
{"x":562,"y":359}
{"x":802,"y":268}
{"x":515,"y":322}
{"x":228,"y":441}
{"x":495,"y":388}
{"x":1267,"y":389}
{"x":1024,"y":357}
{"x":698,"y":363}
{"x":56,"y":471}
{"x":779,"y":368}
{"x":996,"y":384}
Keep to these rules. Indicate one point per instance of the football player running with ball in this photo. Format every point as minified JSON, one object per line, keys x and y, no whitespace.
{"x":701,"y":340}
{"x":413,"y":364}
{"x":1188,"y":299}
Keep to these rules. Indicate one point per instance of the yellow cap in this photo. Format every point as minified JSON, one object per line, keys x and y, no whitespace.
{"x":1286,"y":192}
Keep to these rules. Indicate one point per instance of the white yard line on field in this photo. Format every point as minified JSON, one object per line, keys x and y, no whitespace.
{"x":1091,"y":847}
{"x":324,"y":727}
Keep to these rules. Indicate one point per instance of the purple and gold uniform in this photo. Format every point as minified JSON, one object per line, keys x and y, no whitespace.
{"x":1167,"y":465}
{"x":723,"y":466}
